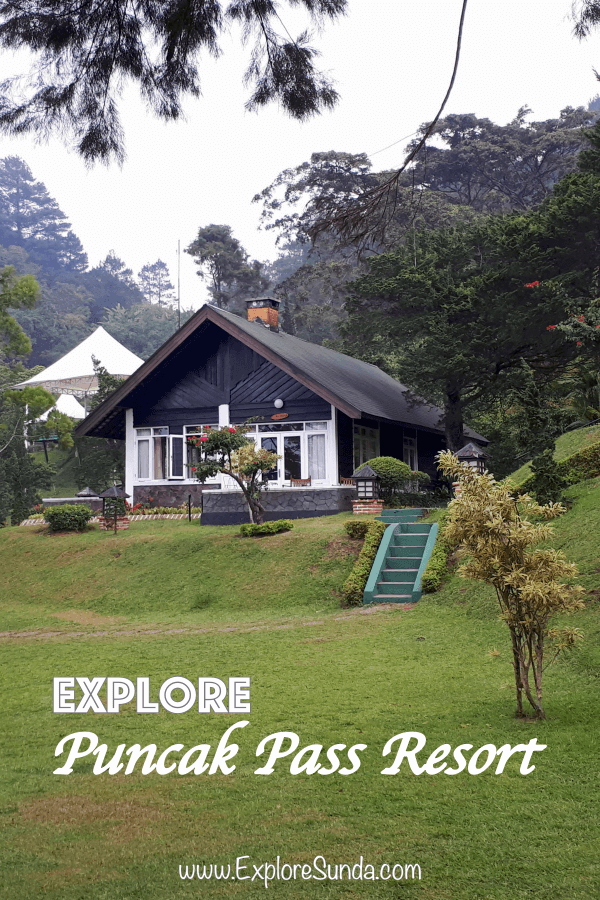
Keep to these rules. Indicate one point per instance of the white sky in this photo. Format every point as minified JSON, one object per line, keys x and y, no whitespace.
{"x":391,"y":60}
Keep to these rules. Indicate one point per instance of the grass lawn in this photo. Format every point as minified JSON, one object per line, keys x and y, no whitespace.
{"x":565,"y":446}
{"x":170,"y":598}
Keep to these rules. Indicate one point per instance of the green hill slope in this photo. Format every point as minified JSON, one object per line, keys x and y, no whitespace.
{"x":566,"y":445}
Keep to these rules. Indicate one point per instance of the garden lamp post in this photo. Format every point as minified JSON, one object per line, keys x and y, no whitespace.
{"x":473,"y":456}
{"x":367,"y":483}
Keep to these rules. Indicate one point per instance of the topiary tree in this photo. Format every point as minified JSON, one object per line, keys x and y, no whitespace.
{"x":495,"y":534}
{"x":231,"y":452}
{"x":394,"y":474}
{"x":548,"y":482}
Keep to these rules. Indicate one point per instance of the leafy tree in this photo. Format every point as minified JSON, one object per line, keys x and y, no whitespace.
{"x":449,"y":315}
{"x":155,"y":284}
{"x":496,"y":168}
{"x":229,"y":451}
{"x":495,"y":534}
{"x":222,"y":260}
{"x":101,"y":461}
{"x":15,"y":292}
{"x":143,"y":328}
{"x":115,"y":266}
{"x":21,"y":477}
{"x":84,"y":53}
{"x":31,"y":218}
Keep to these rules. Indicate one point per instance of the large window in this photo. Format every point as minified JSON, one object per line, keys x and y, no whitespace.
{"x":409,"y":453}
{"x":192,"y":453}
{"x":159,"y":454}
{"x":366,"y":444}
{"x":302,"y":452}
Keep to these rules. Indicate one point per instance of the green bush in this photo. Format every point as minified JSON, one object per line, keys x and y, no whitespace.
{"x":437,"y":567}
{"x":276,"y":527}
{"x":357,"y":528}
{"x":354,"y":586}
{"x":68,"y":517}
{"x":575,"y":468}
{"x":548,"y":482}
{"x":394,"y":474}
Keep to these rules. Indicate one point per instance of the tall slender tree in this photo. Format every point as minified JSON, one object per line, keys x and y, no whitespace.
{"x":155,"y":284}
{"x":31,"y":218}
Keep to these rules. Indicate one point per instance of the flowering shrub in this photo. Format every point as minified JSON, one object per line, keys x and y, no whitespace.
{"x":231,"y":452}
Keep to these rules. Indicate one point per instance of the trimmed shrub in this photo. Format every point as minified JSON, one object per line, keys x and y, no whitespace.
{"x":276,"y":527}
{"x":357,"y":528}
{"x":354,"y":586}
{"x":437,"y":567}
{"x":394,"y":475}
{"x":548,"y":482}
{"x":579,"y":467}
{"x":68,"y":517}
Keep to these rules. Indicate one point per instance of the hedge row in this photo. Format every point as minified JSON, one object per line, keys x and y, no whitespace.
{"x":437,"y":567}
{"x":578,"y":467}
{"x":354,"y":587}
{"x":276,"y":527}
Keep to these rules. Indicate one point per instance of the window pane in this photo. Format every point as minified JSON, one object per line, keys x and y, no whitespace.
{"x":176,"y":457}
{"x":291,"y":457}
{"x":144,"y":459}
{"x":282,"y":426}
{"x":142,"y":431}
{"x":316,"y":456}
{"x":316,"y":426}
{"x":160,"y":457}
{"x":270,"y":444}
{"x":163,"y":430}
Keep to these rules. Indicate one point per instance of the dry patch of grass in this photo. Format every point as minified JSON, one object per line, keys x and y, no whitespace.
{"x":86,"y":617}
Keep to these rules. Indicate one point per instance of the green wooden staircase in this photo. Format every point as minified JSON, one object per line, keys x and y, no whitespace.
{"x":401,"y":559}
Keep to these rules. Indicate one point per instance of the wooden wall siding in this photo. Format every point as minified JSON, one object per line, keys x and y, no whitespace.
{"x":176,"y":418}
{"x":267,"y":383}
{"x":307,"y":410}
{"x":345,"y":434}
{"x":200,"y":373}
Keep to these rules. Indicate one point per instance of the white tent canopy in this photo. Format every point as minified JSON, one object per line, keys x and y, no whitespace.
{"x":68,"y":405}
{"x":74,"y":372}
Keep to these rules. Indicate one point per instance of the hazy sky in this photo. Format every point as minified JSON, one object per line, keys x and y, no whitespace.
{"x":391,"y":60}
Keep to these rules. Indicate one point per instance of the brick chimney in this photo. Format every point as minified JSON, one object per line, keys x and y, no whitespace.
{"x":266,"y":309}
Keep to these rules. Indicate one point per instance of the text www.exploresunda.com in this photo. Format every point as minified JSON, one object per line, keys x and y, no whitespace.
{"x":318,"y":870}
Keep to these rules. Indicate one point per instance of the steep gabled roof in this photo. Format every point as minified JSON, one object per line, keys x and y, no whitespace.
{"x":357,"y":388}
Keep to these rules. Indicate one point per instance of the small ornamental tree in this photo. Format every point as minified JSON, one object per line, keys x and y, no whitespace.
{"x":230,"y":451}
{"x":491,"y":526}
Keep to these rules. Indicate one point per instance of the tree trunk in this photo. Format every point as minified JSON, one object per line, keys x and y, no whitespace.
{"x":453,"y":419}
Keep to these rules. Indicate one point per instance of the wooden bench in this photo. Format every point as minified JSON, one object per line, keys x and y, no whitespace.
{"x":300,"y":482}
{"x":347,"y":481}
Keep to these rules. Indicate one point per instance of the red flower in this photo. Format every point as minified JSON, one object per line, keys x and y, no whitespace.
{"x":581,"y":318}
{"x":532,"y":284}
{"x":597,"y":326}
{"x":579,"y":343}
{"x":203,"y":437}
{"x":550,"y":327}
{"x":231,"y":430}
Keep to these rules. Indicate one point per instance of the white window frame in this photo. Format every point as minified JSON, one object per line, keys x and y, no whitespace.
{"x":304,"y":434}
{"x":149,"y":434}
{"x":194,"y":431}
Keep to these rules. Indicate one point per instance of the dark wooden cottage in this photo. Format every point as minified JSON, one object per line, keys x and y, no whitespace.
{"x":323,"y":412}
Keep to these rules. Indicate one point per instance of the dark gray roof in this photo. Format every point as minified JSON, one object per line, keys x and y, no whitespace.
{"x":357,"y":388}
{"x":361,"y":385}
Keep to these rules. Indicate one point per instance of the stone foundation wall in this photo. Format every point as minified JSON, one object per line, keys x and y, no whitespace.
{"x":153,"y":495}
{"x":230,"y":508}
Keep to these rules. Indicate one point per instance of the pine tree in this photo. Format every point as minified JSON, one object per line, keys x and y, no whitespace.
{"x":31,"y":218}
{"x":154,"y":283}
